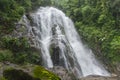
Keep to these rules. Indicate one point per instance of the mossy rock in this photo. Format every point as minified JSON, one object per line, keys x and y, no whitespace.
{"x":34,"y":72}
{"x":2,"y":78}
{"x":14,"y":74}
{"x":42,"y":74}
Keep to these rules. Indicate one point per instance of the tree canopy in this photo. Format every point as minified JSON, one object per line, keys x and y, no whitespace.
{"x":98,"y":23}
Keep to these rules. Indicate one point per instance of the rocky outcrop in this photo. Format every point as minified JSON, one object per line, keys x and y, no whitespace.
{"x":100,"y":78}
{"x":14,"y":74}
{"x":118,"y":69}
{"x":62,"y":73}
{"x":25,"y":72}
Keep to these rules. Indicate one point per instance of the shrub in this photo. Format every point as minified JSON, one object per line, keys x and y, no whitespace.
{"x":15,"y":44}
{"x":6,"y":55}
{"x":19,"y":50}
{"x":27,"y":57}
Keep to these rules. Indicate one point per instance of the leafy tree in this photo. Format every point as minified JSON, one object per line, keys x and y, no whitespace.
{"x":97,"y":21}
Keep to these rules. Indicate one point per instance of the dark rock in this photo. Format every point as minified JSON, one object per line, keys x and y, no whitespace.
{"x":14,"y":74}
{"x":56,"y":55}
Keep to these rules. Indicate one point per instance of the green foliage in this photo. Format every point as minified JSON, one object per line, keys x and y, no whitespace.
{"x":25,"y":3}
{"x":86,"y":10}
{"x":115,"y":49}
{"x":5,"y":55}
{"x":97,"y":21}
{"x":18,"y":51}
{"x":13,"y":74}
{"x":12,"y":10}
{"x":15,"y":44}
{"x":115,"y":43}
{"x":22,"y":57}
{"x":42,"y":74}
{"x":102,"y":18}
{"x":27,"y":57}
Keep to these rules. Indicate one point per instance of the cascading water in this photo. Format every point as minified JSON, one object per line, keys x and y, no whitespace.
{"x":60,"y":44}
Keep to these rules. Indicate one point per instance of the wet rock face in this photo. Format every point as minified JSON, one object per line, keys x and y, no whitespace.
{"x":55,"y":56}
{"x":62,"y":73}
{"x":118,"y":69}
{"x":100,"y":78}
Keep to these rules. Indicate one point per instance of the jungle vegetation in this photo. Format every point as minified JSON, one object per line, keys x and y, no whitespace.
{"x":97,"y":22}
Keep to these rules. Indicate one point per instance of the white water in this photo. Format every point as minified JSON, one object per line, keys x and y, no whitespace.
{"x":52,"y":27}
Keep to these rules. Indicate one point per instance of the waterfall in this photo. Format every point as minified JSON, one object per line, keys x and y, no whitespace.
{"x":60,"y":45}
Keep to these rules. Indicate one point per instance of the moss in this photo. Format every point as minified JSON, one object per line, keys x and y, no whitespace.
{"x":41,"y":73}
{"x":32,"y":72}
{"x":14,"y":74}
{"x":2,"y":78}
